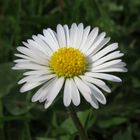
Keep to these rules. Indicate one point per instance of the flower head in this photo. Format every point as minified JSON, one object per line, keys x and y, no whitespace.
{"x":75,"y":59}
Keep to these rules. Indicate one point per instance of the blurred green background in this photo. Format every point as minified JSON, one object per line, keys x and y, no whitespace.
{"x":22,"y":120}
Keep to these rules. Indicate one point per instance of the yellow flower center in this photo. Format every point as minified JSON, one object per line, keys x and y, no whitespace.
{"x":68,"y":62}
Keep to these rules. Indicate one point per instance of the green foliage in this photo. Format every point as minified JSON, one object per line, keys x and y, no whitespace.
{"x":126,"y":135}
{"x":8,"y":78}
{"x":22,"y":120}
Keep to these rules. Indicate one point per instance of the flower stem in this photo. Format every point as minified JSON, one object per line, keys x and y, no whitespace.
{"x":77,"y":123}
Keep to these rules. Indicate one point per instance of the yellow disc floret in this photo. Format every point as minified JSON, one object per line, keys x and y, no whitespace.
{"x":68,"y":62}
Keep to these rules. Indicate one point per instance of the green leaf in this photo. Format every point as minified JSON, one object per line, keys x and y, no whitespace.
{"x":86,"y":118}
{"x":67,"y":126}
{"x":65,"y":137}
{"x":111,"y":121}
{"x":41,"y":138}
{"x":136,"y":82}
{"x":126,"y":135}
{"x":17,"y":103}
{"x":8,"y":78}
{"x":25,"y":132}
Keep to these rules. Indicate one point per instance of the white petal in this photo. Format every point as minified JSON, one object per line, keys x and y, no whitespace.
{"x":48,"y":43}
{"x":32,"y":53}
{"x":21,"y":60}
{"x":110,"y":56}
{"x":73,"y":35}
{"x":105,"y":88}
{"x":67,"y":93}
{"x":25,"y":51}
{"x":55,"y":89}
{"x":101,"y":45}
{"x":42,"y":92}
{"x":47,"y":104}
{"x":83,"y":88}
{"x":91,"y":38}
{"x":99,"y":39}
{"x":54,"y":36}
{"x":92,"y":80}
{"x":104,"y":76}
{"x":119,"y":65}
{"x":22,"y":56}
{"x":29,"y":86}
{"x":28,"y":62}
{"x":31,"y":61}
{"x":35,"y":60}
{"x":39,"y":44}
{"x":85,"y":35}
{"x":50,"y":40}
{"x":25,"y":79}
{"x":104,"y":51}
{"x":97,"y":94}
{"x":97,"y":82}
{"x":37,"y":78}
{"x":67,"y":35}
{"x":111,"y":70}
{"x":45,"y":93}
{"x":43,"y":78}
{"x":94,"y":49}
{"x":52,"y":90}
{"x":50,"y":49}
{"x":107,"y":64}
{"x":34,"y":47}
{"x":94,"y":102}
{"x":75,"y":94}
{"x":26,"y":44}
{"x":42,"y":45}
{"x":80,"y":31}
{"x":30,"y":66}
{"x":61,"y":36}
{"x":37,"y":72}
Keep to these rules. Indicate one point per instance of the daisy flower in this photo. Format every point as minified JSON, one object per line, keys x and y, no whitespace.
{"x":73,"y":60}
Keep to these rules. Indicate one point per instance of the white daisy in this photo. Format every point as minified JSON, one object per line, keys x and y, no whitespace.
{"x":75,"y":59}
